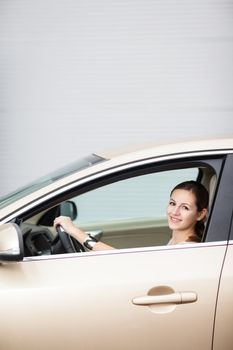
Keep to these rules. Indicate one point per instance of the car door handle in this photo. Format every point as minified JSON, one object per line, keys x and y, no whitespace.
{"x":173,"y":298}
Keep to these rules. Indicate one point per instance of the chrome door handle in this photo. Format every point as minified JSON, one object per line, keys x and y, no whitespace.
{"x":173,"y":298}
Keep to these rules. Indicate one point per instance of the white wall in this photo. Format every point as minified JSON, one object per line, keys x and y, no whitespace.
{"x":81,"y":75}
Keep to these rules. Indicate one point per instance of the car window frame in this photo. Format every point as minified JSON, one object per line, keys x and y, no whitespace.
{"x":216,"y":162}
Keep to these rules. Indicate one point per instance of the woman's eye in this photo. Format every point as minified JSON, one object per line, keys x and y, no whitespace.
{"x":171,"y":203}
{"x":185,"y":208}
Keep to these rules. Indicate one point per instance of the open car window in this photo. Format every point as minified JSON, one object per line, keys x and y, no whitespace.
{"x":132,"y":212}
{"x":144,"y":196}
{"x":127,"y":213}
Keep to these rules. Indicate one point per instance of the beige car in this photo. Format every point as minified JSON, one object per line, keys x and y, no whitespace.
{"x":144,"y":295}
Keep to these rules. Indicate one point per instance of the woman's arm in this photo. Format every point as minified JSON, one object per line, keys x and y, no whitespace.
{"x":78,"y":234}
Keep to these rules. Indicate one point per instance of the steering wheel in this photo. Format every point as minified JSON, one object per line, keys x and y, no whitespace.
{"x":69,"y":244}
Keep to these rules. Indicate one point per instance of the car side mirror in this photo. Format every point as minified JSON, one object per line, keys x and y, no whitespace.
{"x":67,"y":208}
{"x":11,"y":243}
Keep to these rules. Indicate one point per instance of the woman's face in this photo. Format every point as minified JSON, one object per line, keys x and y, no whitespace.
{"x":182,"y":213}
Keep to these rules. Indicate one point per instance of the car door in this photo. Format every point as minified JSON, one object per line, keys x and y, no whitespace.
{"x":156,"y":298}
{"x":136,"y":298}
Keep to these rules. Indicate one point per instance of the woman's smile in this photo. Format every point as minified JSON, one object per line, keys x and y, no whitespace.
{"x":174,"y":219}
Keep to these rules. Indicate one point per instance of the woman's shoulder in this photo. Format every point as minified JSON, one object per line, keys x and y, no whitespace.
{"x":184,"y":242}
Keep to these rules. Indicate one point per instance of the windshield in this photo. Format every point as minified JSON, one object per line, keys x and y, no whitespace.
{"x":50,"y":178}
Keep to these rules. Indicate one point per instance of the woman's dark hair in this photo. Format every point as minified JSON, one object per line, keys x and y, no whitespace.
{"x":202,"y":200}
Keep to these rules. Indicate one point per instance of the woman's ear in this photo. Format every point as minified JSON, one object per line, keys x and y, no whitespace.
{"x":202,"y":215}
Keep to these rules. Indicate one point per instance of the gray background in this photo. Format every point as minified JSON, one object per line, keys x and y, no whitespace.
{"x":77,"y":76}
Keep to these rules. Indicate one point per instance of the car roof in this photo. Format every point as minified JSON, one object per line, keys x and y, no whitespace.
{"x":134,"y":152}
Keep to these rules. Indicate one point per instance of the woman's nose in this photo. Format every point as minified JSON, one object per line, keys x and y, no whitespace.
{"x":176,"y":210}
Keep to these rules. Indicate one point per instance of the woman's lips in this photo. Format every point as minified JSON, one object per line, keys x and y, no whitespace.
{"x":174,"y":220}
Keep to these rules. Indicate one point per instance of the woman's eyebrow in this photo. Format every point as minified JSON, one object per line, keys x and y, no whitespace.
{"x":188,"y":204}
{"x":182,"y":203}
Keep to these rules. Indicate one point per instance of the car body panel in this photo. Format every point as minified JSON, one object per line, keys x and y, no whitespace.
{"x":87,"y":300}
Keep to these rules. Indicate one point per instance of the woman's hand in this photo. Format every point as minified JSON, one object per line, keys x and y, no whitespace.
{"x":66,"y":223}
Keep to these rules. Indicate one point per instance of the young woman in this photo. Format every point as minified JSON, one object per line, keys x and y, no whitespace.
{"x":186,"y":213}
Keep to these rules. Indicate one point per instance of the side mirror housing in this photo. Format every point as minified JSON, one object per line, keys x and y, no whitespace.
{"x":67,"y":208}
{"x":11,"y":243}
